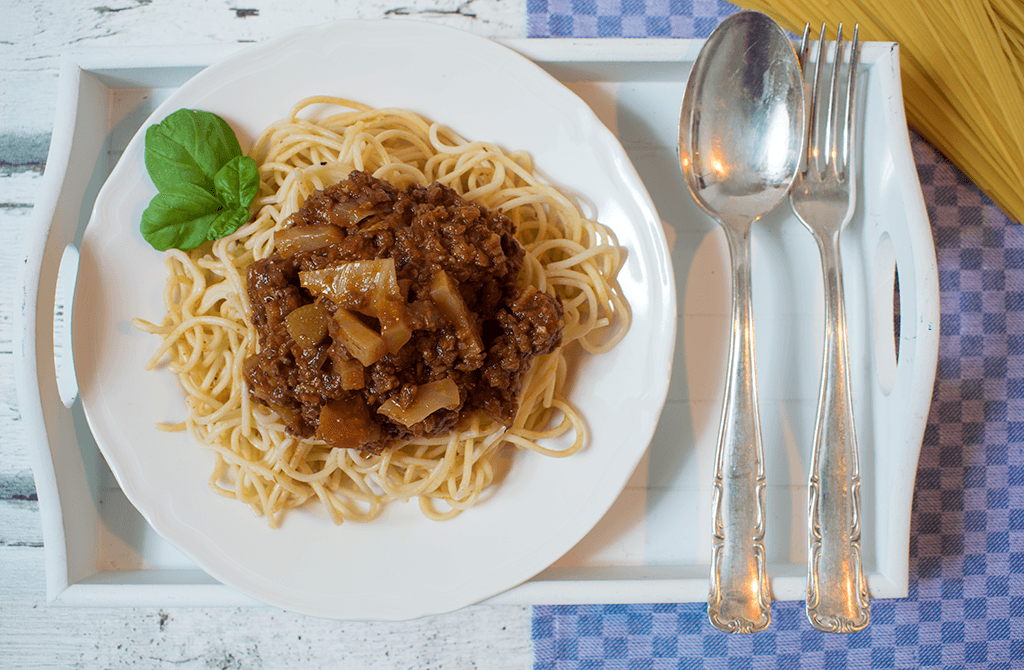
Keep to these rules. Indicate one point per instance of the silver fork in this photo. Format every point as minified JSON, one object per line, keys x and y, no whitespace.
{"x":823,"y":198}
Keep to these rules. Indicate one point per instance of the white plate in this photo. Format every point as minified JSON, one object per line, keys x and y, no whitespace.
{"x":402,"y":565}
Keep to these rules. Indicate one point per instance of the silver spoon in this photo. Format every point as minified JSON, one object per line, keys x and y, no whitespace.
{"x":741,"y":132}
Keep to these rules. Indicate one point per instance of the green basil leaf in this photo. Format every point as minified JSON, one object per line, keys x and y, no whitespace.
{"x":237,"y":183}
{"x":180,"y":218}
{"x":205,"y":184}
{"x":228,"y":221}
{"x":189,"y":146}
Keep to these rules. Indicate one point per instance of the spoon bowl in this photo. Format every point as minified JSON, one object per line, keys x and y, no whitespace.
{"x":741,"y":131}
{"x":741,"y":124}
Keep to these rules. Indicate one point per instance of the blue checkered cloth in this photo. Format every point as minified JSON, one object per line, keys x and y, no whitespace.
{"x":966,"y":603}
{"x":625,"y":18}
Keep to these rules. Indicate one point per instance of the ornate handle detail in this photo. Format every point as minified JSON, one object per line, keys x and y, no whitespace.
{"x":740,"y":598}
{"x":837,"y":590}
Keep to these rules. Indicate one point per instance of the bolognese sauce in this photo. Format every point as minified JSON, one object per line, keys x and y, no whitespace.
{"x":386,"y":314}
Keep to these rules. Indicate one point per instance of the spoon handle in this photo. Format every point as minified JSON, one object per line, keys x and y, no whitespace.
{"x":739,"y":598}
{"x":837,"y":590}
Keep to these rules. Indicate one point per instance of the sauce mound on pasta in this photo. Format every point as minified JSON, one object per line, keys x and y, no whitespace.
{"x":386,"y":314}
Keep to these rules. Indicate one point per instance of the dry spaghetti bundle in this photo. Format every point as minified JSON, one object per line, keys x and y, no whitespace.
{"x":962,"y":65}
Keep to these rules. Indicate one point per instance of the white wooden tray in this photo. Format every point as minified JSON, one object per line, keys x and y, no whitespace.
{"x":654,"y":544}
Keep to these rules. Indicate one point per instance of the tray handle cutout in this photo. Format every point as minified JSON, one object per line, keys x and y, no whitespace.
{"x":63,"y":304}
{"x":885,"y":306}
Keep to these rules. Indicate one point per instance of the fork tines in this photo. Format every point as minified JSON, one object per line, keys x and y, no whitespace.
{"x":839,"y":148}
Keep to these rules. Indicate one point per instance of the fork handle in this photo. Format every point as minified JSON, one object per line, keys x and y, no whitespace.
{"x":739,"y":597}
{"x":837,"y":592}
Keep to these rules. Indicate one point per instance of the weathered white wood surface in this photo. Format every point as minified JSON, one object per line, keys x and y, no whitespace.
{"x":35,"y":635}
{"x":33,"y":33}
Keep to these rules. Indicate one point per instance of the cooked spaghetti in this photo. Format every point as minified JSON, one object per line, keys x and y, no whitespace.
{"x":208,"y":334}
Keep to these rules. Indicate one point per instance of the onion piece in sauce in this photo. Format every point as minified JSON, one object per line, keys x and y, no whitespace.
{"x":291,"y":241}
{"x":360,"y":340}
{"x":367,"y":287}
{"x":430,"y":397}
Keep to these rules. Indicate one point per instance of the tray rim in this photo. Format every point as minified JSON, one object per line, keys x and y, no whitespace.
{"x":136,"y":67}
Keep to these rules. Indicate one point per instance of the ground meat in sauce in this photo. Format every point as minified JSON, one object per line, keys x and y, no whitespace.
{"x":423,"y":229}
